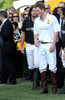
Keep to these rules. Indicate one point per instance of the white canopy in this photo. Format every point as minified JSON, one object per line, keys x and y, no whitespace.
{"x":21,"y":3}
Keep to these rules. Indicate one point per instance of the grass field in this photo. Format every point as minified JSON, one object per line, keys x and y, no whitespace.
{"x":23,"y":91}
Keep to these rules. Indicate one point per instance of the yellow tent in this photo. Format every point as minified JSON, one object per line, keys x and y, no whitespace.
{"x":54,"y":3}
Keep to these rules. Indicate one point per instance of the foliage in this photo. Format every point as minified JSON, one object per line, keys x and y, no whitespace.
{"x":6,"y":4}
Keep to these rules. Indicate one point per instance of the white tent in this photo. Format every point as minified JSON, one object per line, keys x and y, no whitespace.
{"x":22,"y":3}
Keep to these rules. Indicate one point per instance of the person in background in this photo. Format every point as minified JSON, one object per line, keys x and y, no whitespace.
{"x":10,"y":16}
{"x":12,"y":10}
{"x":60,"y":76}
{"x":25,"y":15}
{"x":47,"y":8}
{"x":31,"y":50}
{"x":27,"y":9}
{"x":8,"y":51}
{"x":29,"y":74}
{"x":19,"y":55}
{"x":60,"y":6}
{"x":62,"y":50}
{"x":55,"y":13}
{"x":1,"y":43}
{"x":16,"y":19}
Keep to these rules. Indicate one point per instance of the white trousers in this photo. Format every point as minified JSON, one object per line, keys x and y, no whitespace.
{"x":32,"y":56}
{"x":46,"y":57}
{"x":63,"y":61}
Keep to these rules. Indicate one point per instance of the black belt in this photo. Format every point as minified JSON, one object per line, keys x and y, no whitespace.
{"x":45,"y":42}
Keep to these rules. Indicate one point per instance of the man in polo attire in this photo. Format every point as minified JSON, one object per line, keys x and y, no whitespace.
{"x":31,"y":50}
{"x":46,"y":30}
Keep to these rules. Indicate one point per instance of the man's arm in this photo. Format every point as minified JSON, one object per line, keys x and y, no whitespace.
{"x":36,"y":40}
{"x":22,"y":42}
{"x":54,"y":42}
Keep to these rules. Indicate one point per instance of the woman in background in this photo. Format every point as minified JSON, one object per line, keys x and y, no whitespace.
{"x":17,"y":39}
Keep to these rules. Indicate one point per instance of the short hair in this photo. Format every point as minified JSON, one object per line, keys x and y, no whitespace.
{"x":63,"y":10}
{"x":3,"y":13}
{"x":41,"y":1}
{"x":40,"y":5}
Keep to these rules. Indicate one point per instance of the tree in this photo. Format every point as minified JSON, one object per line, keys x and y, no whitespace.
{"x":1,"y":3}
{"x":6,"y":4}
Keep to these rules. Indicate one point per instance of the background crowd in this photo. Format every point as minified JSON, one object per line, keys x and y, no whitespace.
{"x":11,"y":57}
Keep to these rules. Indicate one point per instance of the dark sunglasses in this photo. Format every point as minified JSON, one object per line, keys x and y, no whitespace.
{"x":15,"y":16}
{"x":60,"y":7}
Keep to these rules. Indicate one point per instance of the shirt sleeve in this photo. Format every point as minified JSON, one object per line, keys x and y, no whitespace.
{"x":35,"y":27}
{"x":56,"y":25}
{"x":23,"y":27}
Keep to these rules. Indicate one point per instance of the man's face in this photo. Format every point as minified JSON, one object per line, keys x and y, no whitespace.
{"x":60,"y":5}
{"x":33,"y":12}
{"x":38,"y":11}
{"x":47,"y":10}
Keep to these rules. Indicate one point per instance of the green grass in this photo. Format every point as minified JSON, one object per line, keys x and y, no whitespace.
{"x":23,"y":91}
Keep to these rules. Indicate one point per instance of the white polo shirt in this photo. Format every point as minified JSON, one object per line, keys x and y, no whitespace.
{"x":47,"y":28}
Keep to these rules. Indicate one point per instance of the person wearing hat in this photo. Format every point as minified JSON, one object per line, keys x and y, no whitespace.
{"x":47,"y":8}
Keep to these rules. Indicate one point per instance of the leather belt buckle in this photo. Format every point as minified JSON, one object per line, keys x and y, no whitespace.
{"x":44,"y":42}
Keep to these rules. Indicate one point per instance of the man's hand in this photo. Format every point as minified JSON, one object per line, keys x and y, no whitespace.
{"x":52,"y":48}
{"x":22,"y":50}
{"x":36,"y":43}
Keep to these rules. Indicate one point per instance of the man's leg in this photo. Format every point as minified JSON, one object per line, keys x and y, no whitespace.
{"x":11,"y":67}
{"x":43,"y":67}
{"x":3,"y":74}
{"x":36,"y":82}
{"x":51,"y":56}
{"x":30,"y":58}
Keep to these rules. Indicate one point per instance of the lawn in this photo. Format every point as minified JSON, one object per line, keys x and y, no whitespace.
{"x":23,"y":91}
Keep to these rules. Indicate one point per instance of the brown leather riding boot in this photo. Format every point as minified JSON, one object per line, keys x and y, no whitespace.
{"x":54,"y":83}
{"x":43,"y":83}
